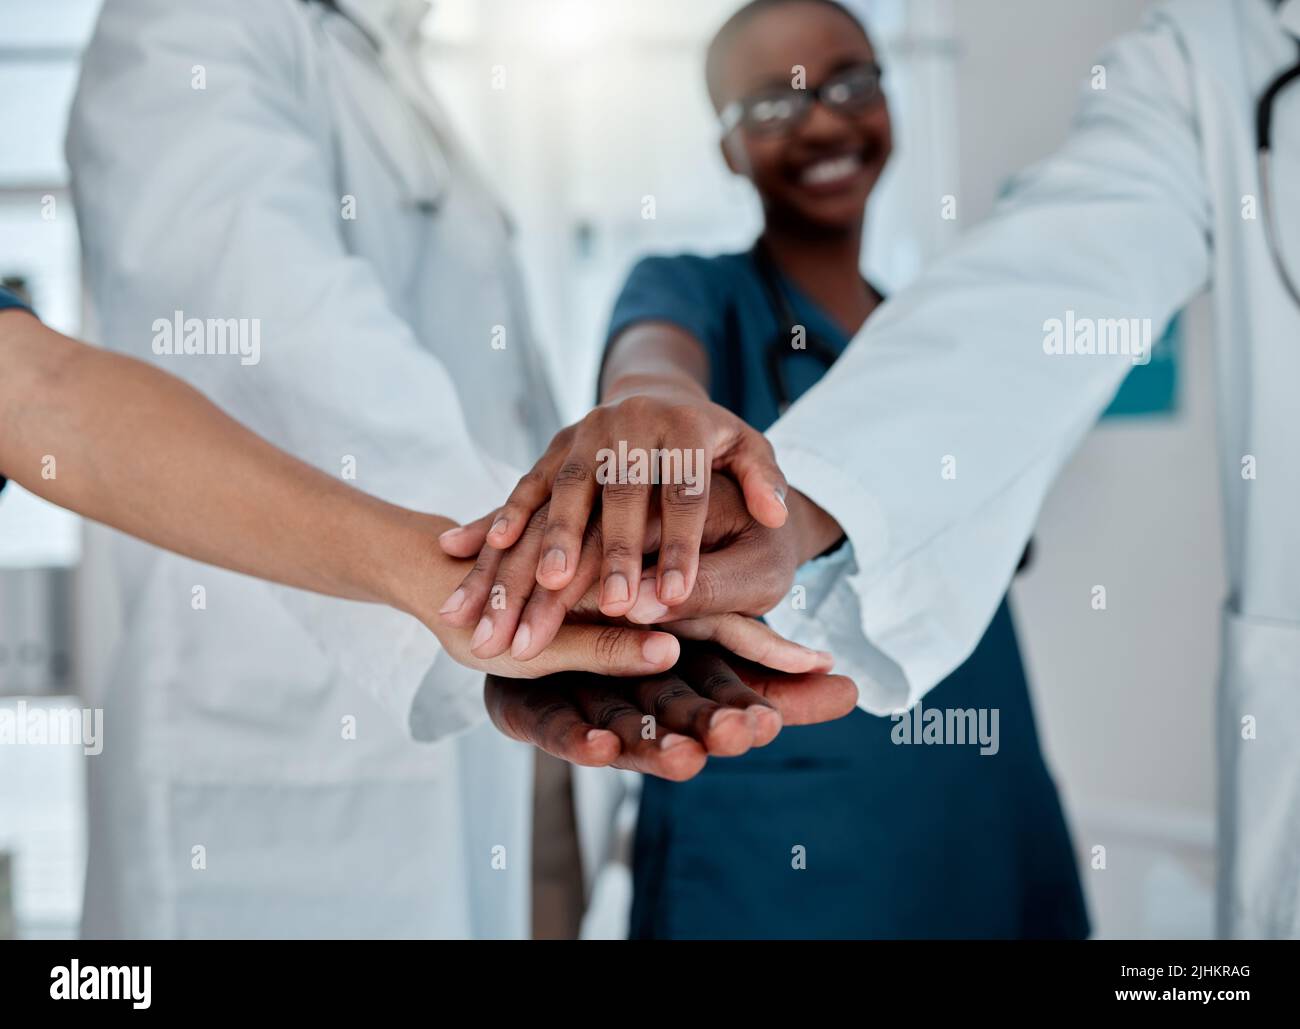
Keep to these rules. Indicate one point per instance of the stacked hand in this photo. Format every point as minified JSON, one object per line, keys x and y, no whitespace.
{"x":710,"y":704}
{"x":701,"y":561}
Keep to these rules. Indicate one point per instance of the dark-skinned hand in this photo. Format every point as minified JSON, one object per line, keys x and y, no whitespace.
{"x":710,"y":704}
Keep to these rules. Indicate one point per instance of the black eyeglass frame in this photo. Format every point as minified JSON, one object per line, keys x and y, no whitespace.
{"x":737,"y":113}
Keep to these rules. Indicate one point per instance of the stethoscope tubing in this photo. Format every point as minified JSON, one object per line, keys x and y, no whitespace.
{"x":1264,"y":157}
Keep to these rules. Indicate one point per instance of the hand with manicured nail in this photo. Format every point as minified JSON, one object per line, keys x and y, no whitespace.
{"x":746,"y":568}
{"x":669,"y":416}
{"x":572,"y":635}
{"x":618,"y":650}
{"x":710,"y":705}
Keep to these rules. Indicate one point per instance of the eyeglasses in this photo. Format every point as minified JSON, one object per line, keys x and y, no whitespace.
{"x":779,"y":111}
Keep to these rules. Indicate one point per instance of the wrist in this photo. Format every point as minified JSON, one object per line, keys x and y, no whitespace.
{"x":816,"y":531}
{"x":676,"y":385}
{"x":412,"y":573}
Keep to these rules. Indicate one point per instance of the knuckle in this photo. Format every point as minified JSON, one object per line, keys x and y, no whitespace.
{"x":544,"y":714}
{"x":536,"y":525}
{"x":618,"y":551}
{"x":624,"y":494}
{"x":559,"y":532}
{"x":572,"y":473}
{"x":675,"y":553}
{"x":637,"y":407}
{"x":533,"y":482}
{"x":717,"y":680}
{"x":694,"y":424}
{"x":681,"y":496}
{"x":605,"y":712}
{"x":610,"y":643}
{"x":594,"y":537}
{"x":666,"y":696}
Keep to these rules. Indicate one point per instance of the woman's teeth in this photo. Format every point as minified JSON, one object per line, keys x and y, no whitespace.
{"x":825,"y":172}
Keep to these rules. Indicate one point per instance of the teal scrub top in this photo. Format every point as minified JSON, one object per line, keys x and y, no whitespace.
{"x":840,"y":831}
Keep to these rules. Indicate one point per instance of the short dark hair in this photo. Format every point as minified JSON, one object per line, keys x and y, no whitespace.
{"x":726,"y":35}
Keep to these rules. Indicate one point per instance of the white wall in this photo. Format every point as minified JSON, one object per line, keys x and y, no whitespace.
{"x":1124,"y":696}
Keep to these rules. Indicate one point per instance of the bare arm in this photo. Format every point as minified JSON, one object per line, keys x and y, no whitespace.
{"x":128,"y":445}
{"x":140,"y":450}
{"x":654,"y":357}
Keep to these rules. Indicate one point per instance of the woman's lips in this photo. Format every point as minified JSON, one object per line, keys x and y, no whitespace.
{"x":832,"y":171}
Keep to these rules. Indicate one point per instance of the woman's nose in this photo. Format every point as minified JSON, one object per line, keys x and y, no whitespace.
{"x":823,"y":124}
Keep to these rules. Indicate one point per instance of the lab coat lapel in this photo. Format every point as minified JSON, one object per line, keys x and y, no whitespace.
{"x":382,"y":86}
{"x":392,"y":28}
{"x":1289,"y":14}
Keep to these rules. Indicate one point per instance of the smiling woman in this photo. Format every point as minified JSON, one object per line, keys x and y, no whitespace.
{"x":778,"y":66}
{"x":691,"y":348}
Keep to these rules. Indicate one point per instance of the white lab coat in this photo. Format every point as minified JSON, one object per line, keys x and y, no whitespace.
{"x":258,"y":159}
{"x":1140,"y":209}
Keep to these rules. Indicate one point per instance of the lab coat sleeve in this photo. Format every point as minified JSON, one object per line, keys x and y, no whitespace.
{"x":934,"y":439}
{"x":202,"y":160}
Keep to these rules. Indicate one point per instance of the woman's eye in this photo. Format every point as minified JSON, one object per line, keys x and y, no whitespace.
{"x":771,"y":110}
{"x":840,"y":93}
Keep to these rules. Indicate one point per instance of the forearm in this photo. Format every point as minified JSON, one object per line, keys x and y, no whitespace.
{"x":655,"y":358}
{"x":123,"y":443}
{"x":660,"y":359}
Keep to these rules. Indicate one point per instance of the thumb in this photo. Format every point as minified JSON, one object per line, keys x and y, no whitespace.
{"x":752,"y":463}
{"x":606,"y":650}
{"x":467,"y":540}
{"x":754,"y":641}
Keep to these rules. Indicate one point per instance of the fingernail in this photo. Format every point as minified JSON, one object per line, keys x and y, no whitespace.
{"x":616,"y":590}
{"x":482,"y":633}
{"x":671,"y":740}
{"x":454,"y":603}
{"x":522,"y":638}
{"x":767,"y":718}
{"x":647,"y":608}
{"x":780,"y":497}
{"x":725,"y":714}
{"x":659,"y":649}
{"x":672,"y":586}
{"x":595,"y":734}
{"x":450,"y":533}
{"x":499,"y":527}
{"x":555,"y":562}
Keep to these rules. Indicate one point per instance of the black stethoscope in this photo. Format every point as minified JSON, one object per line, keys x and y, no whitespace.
{"x":785,"y":343}
{"x":1264,"y":144}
